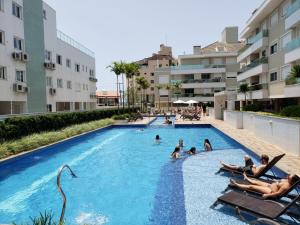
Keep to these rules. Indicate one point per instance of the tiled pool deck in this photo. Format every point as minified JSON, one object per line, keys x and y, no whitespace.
{"x":289,"y":163}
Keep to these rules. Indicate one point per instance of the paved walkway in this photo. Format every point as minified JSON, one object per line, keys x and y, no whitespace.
{"x":289,"y":163}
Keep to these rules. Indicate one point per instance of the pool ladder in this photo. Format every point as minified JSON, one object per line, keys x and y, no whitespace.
{"x":61,"y":219}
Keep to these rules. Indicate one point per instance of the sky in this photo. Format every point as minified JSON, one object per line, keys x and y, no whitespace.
{"x":131,"y":30}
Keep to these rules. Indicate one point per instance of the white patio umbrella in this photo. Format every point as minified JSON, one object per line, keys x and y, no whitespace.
{"x":179,"y":102}
{"x":192,"y":102}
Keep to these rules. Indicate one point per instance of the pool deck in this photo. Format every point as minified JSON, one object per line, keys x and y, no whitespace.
{"x":289,"y":163}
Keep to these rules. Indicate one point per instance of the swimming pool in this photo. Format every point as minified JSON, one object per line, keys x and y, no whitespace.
{"x":123,"y":178}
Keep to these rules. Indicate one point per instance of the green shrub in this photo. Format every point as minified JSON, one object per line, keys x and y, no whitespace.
{"x":121,"y":117}
{"x":16,"y":127}
{"x":291,"y":111}
{"x":253,"y":107}
{"x":42,"y":219}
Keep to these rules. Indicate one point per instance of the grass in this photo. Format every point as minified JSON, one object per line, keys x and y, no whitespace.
{"x":45,"y":138}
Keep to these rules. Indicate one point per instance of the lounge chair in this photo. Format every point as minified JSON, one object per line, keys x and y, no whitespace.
{"x":263,"y":172}
{"x":285,"y":194}
{"x":264,"y":210}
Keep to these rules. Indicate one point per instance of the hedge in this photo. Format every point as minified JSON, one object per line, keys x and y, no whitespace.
{"x":16,"y":127}
{"x":291,"y":111}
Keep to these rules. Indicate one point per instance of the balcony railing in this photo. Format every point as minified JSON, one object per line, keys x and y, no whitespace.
{"x":253,"y":64}
{"x":292,"y":45}
{"x":292,"y":8}
{"x":192,"y":81}
{"x":75,"y":44}
{"x":254,"y":39}
{"x":258,"y":87}
{"x":195,"y":67}
{"x":193,"y":95}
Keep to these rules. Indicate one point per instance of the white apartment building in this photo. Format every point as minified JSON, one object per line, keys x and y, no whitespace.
{"x":272,"y":36}
{"x":209,"y":70}
{"x":41,"y":69}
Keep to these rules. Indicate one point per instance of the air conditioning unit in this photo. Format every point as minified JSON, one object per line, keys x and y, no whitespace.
{"x":19,"y":88}
{"x":24,"y":57}
{"x":17,"y":56}
{"x":52,"y":91}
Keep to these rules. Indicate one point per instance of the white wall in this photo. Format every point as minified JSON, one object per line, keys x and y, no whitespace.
{"x":12,"y":26}
{"x":282,"y":132}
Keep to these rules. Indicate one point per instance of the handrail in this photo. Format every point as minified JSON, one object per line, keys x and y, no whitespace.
{"x":61,"y":219}
{"x":197,"y":66}
{"x":213,"y":80}
{"x":292,"y":8}
{"x":293,"y":44}
{"x":254,"y":63}
{"x":254,"y":39}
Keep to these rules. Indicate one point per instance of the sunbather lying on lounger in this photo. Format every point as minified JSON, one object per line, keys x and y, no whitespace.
{"x":249,"y":167}
{"x":268,"y":190}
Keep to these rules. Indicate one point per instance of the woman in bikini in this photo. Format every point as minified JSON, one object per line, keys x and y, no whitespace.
{"x":274,"y":189}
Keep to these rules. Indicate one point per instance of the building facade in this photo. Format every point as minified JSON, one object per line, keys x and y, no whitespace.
{"x":107,"y":98}
{"x":209,"y":70}
{"x":41,"y":69}
{"x":162,"y":59}
{"x":272,"y":36}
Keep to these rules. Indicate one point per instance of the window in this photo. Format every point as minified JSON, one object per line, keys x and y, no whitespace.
{"x":49,"y":82}
{"x":59,"y":83}
{"x":77,"y":87}
{"x":152,"y":88}
{"x":44,"y":14}
{"x":2,"y":37}
{"x":18,"y":43}
{"x":1,"y":5}
{"x":77,"y":67}
{"x":68,"y":63}
{"x":49,"y":108}
{"x":152,"y":74}
{"x":69,"y":84}
{"x":273,"y":48}
{"x":152,"y":81}
{"x":273,"y":76}
{"x":3,"y":73}
{"x":17,"y":10}
{"x":59,"y":59}
{"x":160,"y":65}
{"x":48,"y":56}
{"x":92,"y":73}
{"x":285,"y":71}
{"x":83,"y":68}
{"x":20,"y":75}
{"x":205,"y":76}
{"x":274,"y":19}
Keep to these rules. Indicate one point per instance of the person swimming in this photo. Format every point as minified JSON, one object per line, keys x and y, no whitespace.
{"x":180,"y":144}
{"x":192,"y":151}
{"x":207,"y":145}
{"x":157,"y":139}
{"x":175,"y":154}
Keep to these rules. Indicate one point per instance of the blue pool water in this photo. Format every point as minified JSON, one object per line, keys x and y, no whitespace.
{"x":123,"y":178}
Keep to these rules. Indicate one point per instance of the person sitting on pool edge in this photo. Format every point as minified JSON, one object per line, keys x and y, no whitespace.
{"x":175,"y":154}
{"x":249,"y":167}
{"x":274,"y":189}
{"x":192,"y":151}
{"x":207,"y":145}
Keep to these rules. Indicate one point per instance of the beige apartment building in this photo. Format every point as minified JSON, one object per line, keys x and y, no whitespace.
{"x":272,"y":36}
{"x":209,"y":70}
{"x":162,"y":59}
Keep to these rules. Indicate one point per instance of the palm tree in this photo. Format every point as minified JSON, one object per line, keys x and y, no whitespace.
{"x":244,"y":88}
{"x":295,"y":72}
{"x":143,"y":84}
{"x":130,"y":70}
{"x":168,"y":87}
{"x":116,"y":67}
{"x":159,"y":86}
{"x":122,"y":68}
{"x":177,"y":87}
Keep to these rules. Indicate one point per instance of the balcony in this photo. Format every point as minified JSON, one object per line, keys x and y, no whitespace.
{"x":197,"y":97}
{"x":292,"y":90}
{"x":258,"y":91}
{"x":254,"y":44}
{"x":201,"y":83}
{"x":256,"y":67}
{"x":93,"y":79}
{"x":200,"y":68}
{"x":292,"y":17}
{"x":292,"y":51}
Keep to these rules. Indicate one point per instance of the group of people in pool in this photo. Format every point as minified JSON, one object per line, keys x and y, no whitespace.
{"x":267,"y":189}
{"x":176,"y":153}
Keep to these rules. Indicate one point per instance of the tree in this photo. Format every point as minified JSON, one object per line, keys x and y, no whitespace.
{"x":168,"y":87}
{"x":130,"y":70}
{"x":244,"y":88}
{"x":117,"y":68}
{"x":295,"y":71}
{"x":159,"y":86}
{"x":177,"y":87}
{"x":144,"y":85}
